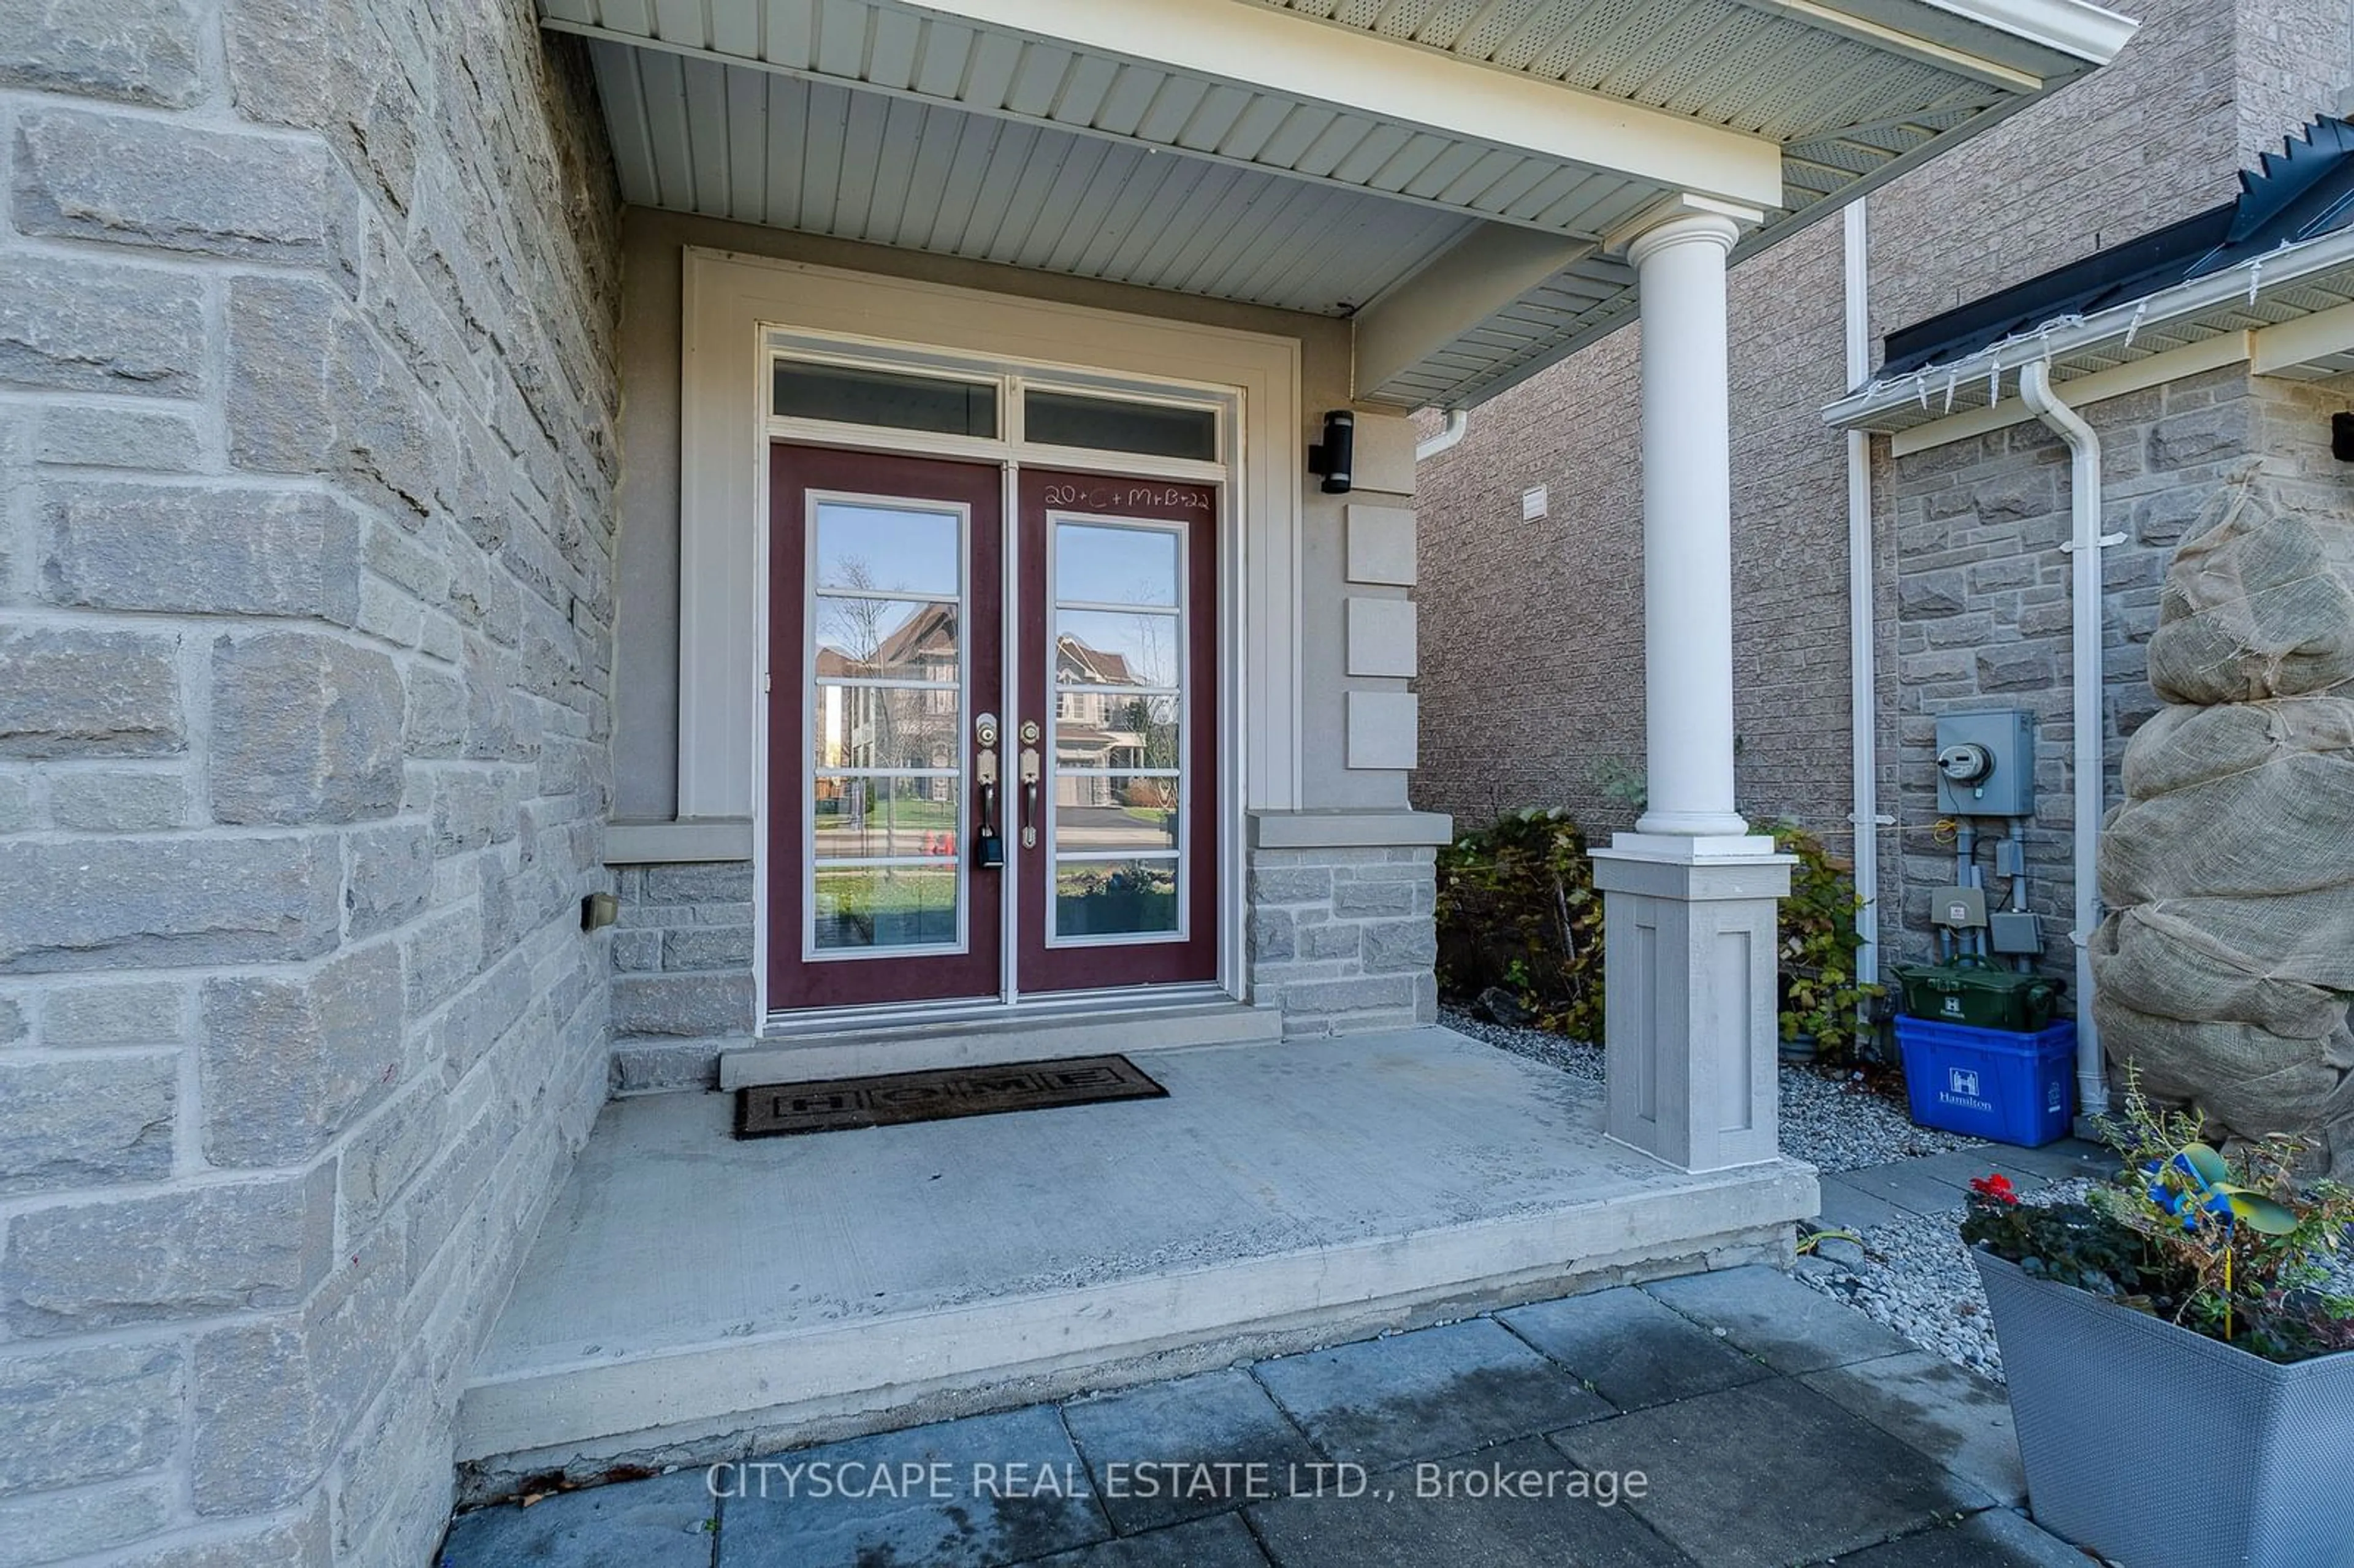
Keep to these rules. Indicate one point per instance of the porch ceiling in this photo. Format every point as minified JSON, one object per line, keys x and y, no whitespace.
{"x":1311,"y":155}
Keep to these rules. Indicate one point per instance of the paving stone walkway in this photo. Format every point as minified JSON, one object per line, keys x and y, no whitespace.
{"x":1726,"y":1420}
{"x":1936,"y":1184}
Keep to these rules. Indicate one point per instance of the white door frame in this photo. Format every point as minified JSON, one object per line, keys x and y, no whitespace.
{"x":740,"y":309}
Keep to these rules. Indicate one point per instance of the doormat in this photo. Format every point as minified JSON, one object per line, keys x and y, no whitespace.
{"x":837,"y":1104}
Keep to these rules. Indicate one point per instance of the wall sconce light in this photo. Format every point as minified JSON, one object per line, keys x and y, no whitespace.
{"x":2341,"y":436}
{"x":598,"y":910}
{"x":1337,"y":454}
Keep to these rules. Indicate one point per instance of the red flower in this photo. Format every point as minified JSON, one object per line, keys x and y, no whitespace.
{"x":1995,"y":1189}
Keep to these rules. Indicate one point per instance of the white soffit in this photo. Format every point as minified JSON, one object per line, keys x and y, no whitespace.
{"x":1303,"y":154}
{"x":693,"y":134}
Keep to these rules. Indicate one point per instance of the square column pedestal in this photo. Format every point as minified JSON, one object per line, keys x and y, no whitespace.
{"x":1691,"y":1019}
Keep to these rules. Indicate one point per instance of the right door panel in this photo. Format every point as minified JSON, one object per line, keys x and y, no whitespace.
{"x":1115,"y":836}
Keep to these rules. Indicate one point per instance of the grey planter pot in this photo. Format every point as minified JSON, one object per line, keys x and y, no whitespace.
{"x":2158,"y":1447}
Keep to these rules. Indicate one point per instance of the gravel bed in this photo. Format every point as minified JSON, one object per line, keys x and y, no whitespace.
{"x":1914,"y":1276}
{"x":1833,"y":1122}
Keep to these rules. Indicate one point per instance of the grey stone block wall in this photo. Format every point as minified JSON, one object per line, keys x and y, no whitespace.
{"x":1342,"y":939}
{"x":307,"y":312}
{"x":1978,"y":611}
{"x":682,"y":956}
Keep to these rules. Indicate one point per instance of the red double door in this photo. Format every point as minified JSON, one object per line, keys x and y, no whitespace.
{"x":980,"y":780}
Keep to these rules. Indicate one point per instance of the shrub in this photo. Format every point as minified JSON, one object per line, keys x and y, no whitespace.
{"x":1517,"y":909}
{"x":1819,"y":941}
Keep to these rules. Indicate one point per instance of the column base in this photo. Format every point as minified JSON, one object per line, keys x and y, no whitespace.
{"x":1697,"y":825}
{"x":1692,"y":1016}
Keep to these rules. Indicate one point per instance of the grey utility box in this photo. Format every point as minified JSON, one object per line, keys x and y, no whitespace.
{"x":1986,"y":763}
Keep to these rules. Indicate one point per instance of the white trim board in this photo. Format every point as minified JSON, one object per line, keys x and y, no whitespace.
{"x":680,"y":843}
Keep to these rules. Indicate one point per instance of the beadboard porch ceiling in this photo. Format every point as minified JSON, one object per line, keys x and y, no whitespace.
{"x":1331,"y":156}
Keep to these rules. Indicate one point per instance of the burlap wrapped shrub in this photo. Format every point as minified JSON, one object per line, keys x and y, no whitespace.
{"x":2224,"y":969}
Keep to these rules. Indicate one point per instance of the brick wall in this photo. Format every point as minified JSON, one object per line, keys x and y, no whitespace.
{"x":306,"y":396}
{"x":1982,"y":612}
{"x":1532,"y":632}
{"x":2148,"y":139}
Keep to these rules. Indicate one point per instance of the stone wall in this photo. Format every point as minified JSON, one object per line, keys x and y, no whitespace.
{"x":1342,"y":939}
{"x":306,"y":399}
{"x":1982,"y":612}
{"x":682,"y":972}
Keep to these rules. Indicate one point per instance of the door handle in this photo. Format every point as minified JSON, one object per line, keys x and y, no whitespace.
{"x":988,"y":849}
{"x":1029,"y":797}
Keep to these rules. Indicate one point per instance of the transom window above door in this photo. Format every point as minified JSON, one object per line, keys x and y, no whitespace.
{"x":955,"y":407}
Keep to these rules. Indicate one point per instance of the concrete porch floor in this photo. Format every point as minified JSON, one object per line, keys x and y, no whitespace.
{"x":691,"y":1296}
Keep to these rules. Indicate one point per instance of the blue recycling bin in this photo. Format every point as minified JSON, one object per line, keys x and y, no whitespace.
{"x":1990,"y":1083}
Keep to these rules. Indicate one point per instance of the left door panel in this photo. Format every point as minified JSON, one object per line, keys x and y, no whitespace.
{"x":885,"y":651}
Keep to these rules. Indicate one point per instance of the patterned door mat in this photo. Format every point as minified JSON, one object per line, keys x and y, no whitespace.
{"x":835,"y":1105}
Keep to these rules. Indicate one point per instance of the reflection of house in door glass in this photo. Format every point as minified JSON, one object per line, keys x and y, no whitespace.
{"x":1112,"y":730}
{"x":888,"y":698}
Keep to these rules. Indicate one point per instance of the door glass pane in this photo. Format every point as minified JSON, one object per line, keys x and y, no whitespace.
{"x":886,"y":773}
{"x":887,"y":727}
{"x":1130,"y":898}
{"x":1114,"y":425}
{"x":886,"y":638}
{"x":883,"y":549}
{"x":1117,"y":648}
{"x":1113,"y":814}
{"x":1115,"y":566}
{"x":861,"y":817}
{"x":843,"y":395}
{"x":1118,"y":758}
{"x":887,"y":906}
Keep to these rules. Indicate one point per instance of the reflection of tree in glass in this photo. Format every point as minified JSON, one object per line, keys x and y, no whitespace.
{"x":854,"y":627}
{"x":1156,"y":742}
{"x":1156,"y":647}
{"x":1156,"y":747}
{"x":870,"y":637}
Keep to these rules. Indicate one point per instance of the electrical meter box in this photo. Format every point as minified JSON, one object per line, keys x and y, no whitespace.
{"x":1986,"y":763}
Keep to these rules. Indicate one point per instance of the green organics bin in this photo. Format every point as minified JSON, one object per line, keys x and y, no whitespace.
{"x":1975,"y":993}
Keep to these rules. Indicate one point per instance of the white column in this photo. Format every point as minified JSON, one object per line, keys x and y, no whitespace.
{"x":1687,"y":526}
{"x":1690,"y":898}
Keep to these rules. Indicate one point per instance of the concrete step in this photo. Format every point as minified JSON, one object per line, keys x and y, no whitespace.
{"x":1024,"y":1037}
{"x":692,"y":1297}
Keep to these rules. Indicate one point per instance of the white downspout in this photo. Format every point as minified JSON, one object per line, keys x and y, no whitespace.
{"x":1458,"y":420}
{"x":2085,"y":544}
{"x":1863,"y":693}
